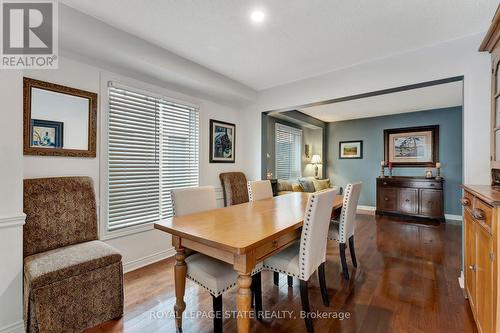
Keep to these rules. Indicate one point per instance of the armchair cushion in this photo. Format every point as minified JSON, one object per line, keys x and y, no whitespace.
{"x":321,"y":184}
{"x":307,"y":184}
{"x":48,"y":267}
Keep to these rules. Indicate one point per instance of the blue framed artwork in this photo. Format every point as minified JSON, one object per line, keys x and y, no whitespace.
{"x":46,"y":133}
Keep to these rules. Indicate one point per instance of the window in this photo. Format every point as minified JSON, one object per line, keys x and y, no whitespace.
{"x":288,"y":152}
{"x":152,"y":148}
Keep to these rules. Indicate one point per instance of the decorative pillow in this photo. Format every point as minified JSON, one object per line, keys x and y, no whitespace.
{"x":297,"y":188}
{"x":307,"y":184}
{"x":321,"y":184}
{"x":284,"y":185}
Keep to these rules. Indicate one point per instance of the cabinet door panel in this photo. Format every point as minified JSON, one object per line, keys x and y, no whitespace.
{"x":387,"y":198}
{"x":470,"y":259}
{"x":431,"y":203}
{"x":484,"y":280}
{"x":408,"y":200}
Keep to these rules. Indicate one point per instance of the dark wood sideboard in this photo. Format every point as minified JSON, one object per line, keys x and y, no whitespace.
{"x":411,"y":196}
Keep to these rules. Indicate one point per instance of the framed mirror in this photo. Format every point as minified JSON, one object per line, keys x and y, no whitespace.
{"x":59,"y":120}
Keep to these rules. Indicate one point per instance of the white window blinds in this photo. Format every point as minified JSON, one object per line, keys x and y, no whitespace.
{"x":152,"y":148}
{"x":288,"y":151}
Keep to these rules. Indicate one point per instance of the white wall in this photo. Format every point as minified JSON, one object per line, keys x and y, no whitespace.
{"x":11,"y":201}
{"x":147,"y":246}
{"x":454,"y":58}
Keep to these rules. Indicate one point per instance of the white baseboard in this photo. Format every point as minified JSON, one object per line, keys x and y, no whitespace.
{"x":453,"y":217}
{"x":17,"y":327}
{"x":461,"y":280}
{"x":147,"y":260}
{"x":368,"y":210}
{"x":12,"y":221}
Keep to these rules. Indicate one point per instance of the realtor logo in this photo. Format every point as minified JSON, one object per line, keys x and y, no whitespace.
{"x":29,"y":34}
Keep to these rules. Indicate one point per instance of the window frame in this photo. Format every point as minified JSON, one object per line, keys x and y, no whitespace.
{"x":139,"y":87}
{"x":290,"y":129}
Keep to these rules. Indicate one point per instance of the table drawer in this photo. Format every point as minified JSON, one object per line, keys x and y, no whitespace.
{"x":266,"y":249}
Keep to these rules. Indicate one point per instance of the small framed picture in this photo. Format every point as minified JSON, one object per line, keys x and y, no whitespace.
{"x":46,"y":133}
{"x":351,"y":149}
{"x":222,"y":142}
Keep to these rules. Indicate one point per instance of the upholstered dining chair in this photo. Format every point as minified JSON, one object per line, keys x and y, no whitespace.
{"x":259,"y":190}
{"x":342,"y":230}
{"x":72,"y":280}
{"x":303,"y":258}
{"x":209,"y":273}
{"x":234,"y":186}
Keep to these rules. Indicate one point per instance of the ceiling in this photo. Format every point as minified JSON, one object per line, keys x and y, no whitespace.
{"x":427,"y":98}
{"x":298,"y":39}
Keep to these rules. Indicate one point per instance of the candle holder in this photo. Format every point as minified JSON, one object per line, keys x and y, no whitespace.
{"x":382,"y":171}
{"x":438,"y":173}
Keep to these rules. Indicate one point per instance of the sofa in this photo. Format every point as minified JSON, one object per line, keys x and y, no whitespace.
{"x":303,"y":184}
{"x":72,"y":281}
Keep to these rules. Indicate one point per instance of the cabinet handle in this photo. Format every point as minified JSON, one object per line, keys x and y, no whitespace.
{"x":432,"y":184}
{"x":385,"y":183}
{"x":478,"y":214}
{"x":275,"y":243}
{"x":407,"y":200}
{"x":472,"y":268}
{"x":386,"y":199}
{"x":465,"y":201}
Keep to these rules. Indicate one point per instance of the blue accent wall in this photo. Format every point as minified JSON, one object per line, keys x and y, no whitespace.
{"x":371,"y":131}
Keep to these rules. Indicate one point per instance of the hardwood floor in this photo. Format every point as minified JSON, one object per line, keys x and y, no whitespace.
{"x":406,"y":281}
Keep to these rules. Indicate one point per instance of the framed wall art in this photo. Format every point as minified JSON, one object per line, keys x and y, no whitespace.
{"x":222,"y":142}
{"x":351,"y":149}
{"x":412,"y":146}
{"x":46,"y":133}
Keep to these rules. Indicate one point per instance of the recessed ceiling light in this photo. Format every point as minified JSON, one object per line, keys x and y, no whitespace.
{"x":257,"y":16}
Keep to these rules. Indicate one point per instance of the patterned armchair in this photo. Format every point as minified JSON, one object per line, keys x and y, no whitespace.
{"x":72,"y":281}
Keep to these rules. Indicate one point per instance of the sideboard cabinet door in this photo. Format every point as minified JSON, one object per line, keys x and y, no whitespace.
{"x":408,"y":200}
{"x":484,"y":279}
{"x":431,"y":203}
{"x":470,"y":259}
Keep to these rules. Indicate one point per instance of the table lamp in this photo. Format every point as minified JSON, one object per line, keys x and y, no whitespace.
{"x":316,"y":159}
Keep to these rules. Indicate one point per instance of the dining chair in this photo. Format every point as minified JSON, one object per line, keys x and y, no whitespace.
{"x":343,"y":229}
{"x":303,"y":258}
{"x":234,"y":187}
{"x":259,"y":190}
{"x":209,"y":273}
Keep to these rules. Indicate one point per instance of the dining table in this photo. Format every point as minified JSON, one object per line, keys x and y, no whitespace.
{"x":241,"y":235}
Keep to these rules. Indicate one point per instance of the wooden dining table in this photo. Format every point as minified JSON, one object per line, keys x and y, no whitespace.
{"x":241,"y":235}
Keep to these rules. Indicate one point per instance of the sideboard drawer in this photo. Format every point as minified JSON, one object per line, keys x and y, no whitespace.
{"x":482,"y":213}
{"x":394,"y":182}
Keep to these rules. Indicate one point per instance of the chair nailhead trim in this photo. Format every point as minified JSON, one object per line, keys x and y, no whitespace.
{"x":213,"y":292}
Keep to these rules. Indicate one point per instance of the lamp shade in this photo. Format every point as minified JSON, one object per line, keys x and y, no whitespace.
{"x":316,"y":159}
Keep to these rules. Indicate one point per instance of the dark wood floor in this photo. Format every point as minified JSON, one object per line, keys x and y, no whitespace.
{"x":406,"y":281}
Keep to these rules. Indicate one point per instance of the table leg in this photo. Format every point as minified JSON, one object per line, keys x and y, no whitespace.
{"x":180,"y":286}
{"x":243,"y":302}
